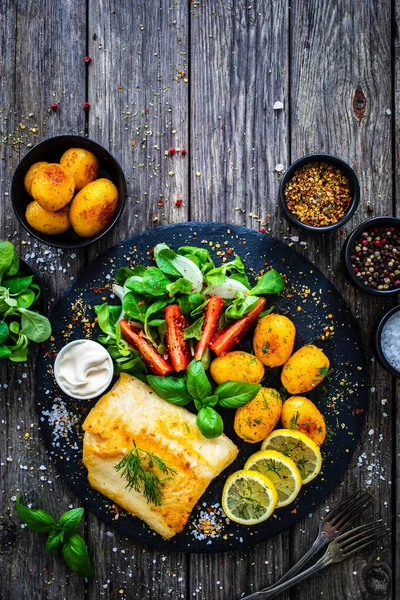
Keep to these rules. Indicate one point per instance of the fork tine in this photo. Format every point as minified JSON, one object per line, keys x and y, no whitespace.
{"x":353,"y":511}
{"x":350,"y":504}
{"x":361,"y":529}
{"x":367,"y":540}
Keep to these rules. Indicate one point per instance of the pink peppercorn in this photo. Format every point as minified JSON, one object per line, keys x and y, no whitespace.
{"x":86,"y":105}
{"x":364,"y":243}
{"x":87,"y":60}
{"x":183,"y":152}
{"x":54,"y":106}
{"x":178,"y":202}
{"x":172,"y":151}
{"x":262,"y":230}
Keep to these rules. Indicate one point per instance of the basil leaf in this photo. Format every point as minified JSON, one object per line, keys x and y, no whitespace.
{"x":16,"y":285}
{"x":4,"y":351}
{"x":164,"y":257}
{"x":181,"y":285}
{"x":271,"y":282}
{"x":4,"y":331}
{"x":25,"y":298}
{"x":134,"y":306}
{"x":155,"y":282}
{"x":38,"y":520}
{"x":189,"y":303}
{"x":6,"y":256}
{"x":210,"y":423}
{"x":54,"y":541}
{"x":210,"y":400}
{"x":76,"y":555}
{"x":36,"y":327}
{"x":197,"y":382}
{"x":194,"y":330}
{"x":70,"y":519}
{"x":240,"y":307}
{"x":206,"y":359}
{"x":172,"y":389}
{"x":233,"y":394}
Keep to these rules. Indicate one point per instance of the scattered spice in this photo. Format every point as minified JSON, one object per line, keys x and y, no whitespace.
{"x":376,"y":258}
{"x":178,"y":202}
{"x":183,"y":152}
{"x":54,"y":106}
{"x":172,"y":151}
{"x":318,"y":194}
{"x":86,"y":105}
{"x":87,"y":60}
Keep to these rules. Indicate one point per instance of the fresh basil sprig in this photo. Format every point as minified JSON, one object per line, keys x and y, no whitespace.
{"x":196,"y":387}
{"x":61,"y":535}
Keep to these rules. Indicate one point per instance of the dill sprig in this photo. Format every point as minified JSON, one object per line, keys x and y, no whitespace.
{"x":137,"y":467}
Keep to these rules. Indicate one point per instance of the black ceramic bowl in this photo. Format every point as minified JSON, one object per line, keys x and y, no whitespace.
{"x":377,"y":340}
{"x":332,"y":160}
{"x":51,"y":150}
{"x":347,"y":252}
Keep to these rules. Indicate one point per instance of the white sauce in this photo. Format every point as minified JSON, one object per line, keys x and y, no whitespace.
{"x":83,"y":369}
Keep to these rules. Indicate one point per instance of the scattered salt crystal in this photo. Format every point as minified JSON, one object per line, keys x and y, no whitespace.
{"x":294,"y":238}
{"x":388,"y":112}
{"x":279,"y":167}
{"x":390,"y":340}
{"x":371,"y":432}
{"x":278,"y":105}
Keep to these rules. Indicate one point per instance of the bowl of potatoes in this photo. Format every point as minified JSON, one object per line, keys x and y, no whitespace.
{"x":68,"y":191}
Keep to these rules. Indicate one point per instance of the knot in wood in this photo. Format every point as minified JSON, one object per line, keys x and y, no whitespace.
{"x":378,"y":581}
{"x":7,"y":538}
{"x":359,"y":103}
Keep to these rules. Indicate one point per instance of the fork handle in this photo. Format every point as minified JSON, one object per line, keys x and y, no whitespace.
{"x":320,"y":541}
{"x":323,"y":562}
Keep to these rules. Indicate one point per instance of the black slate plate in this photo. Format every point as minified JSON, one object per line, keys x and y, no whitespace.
{"x":312,"y":303}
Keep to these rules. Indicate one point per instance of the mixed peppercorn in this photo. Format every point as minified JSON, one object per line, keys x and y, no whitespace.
{"x":318,"y":194}
{"x":375,"y":259}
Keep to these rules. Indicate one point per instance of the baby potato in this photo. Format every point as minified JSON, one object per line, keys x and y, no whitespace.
{"x":82,"y":164}
{"x":236,"y":366}
{"x":93,"y":207}
{"x":256,"y":419}
{"x":301,"y":414}
{"x":31,"y":173}
{"x":304,"y":370}
{"x":274,"y":339}
{"x":45,"y":221}
{"x":53,"y":187}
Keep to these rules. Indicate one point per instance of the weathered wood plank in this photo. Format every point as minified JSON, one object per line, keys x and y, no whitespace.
{"x":139,"y":96}
{"x":42,"y":51}
{"x":239,"y":69}
{"x":332,"y":53}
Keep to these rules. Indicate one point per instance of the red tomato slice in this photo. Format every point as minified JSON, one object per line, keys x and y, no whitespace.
{"x":213,"y":313}
{"x":178,"y":348}
{"x":231,"y":335}
{"x":156,"y":363}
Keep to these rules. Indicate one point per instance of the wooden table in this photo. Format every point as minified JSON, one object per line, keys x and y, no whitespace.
{"x":204,"y":77}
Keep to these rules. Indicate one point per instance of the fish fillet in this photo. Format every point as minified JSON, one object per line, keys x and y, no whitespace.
{"x":132,"y":411}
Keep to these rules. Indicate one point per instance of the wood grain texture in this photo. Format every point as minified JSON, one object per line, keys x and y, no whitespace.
{"x":36,"y":39}
{"x":138,"y":95}
{"x":334,"y":52}
{"x":239,"y":69}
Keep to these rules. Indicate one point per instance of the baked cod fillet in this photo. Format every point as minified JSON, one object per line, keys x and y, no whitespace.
{"x":132,"y":411}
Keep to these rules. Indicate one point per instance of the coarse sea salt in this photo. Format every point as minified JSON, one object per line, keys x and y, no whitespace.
{"x":390,"y":340}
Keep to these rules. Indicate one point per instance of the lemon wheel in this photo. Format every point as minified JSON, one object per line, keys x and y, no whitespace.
{"x":248,"y":497}
{"x":297,"y":446}
{"x":281,"y":470}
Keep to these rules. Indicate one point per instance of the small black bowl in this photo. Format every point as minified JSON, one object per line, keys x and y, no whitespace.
{"x":51,"y":150}
{"x":347,"y":251}
{"x":377,"y":340}
{"x":332,"y":160}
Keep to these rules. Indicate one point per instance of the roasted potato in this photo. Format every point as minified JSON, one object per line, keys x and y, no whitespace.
{"x":274,"y":339}
{"x":301,"y":414}
{"x":94,"y":207}
{"x":236,"y":366}
{"x":304,"y":370}
{"x":53,"y":187}
{"x":256,"y":419}
{"x":45,"y":221}
{"x":30,"y":175}
{"x":82,"y":164}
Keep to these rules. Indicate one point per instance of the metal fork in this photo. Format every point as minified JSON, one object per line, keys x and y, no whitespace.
{"x":337,"y":521}
{"x":343,"y":547}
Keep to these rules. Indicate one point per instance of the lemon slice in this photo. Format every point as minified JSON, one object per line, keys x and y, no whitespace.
{"x":248,"y":497}
{"x":297,"y":446}
{"x":281,"y":470}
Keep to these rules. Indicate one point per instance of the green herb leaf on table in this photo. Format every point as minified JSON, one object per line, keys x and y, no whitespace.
{"x":76,"y":555}
{"x":134,"y":306}
{"x":271,"y":282}
{"x":233,"y":394}
{"x":54,"y":541}
{"x":39,"y":520}
{"x":197,"y":382}
{"x":209,"y":422}
{"x":240,"y":307}
{"x":16,"y":285}
{"x":164,"y":257}
{"x":25,"y":299}
{"x":181,"y":285}
{"x":70,"y":519}
{"x":7,"y":254}
{"x":172,"y":389}
{"x":4,"y":331}
{"x":35,"y":326}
